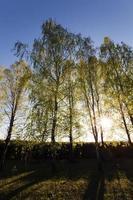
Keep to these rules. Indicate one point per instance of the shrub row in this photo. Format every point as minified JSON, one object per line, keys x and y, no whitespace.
{"x":21,"y":150}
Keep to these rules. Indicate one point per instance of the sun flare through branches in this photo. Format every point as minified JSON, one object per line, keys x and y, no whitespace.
{"x":106,"y":123}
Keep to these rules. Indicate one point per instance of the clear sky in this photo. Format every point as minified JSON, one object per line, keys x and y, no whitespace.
{"x":22,"y":19}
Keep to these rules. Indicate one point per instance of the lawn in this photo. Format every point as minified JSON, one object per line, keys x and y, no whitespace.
{"x":70,"y":181}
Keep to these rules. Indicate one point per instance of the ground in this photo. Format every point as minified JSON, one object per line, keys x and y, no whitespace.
{"x":78,"y":180}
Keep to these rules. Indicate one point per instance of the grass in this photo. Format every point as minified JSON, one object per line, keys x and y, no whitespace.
{"x":79,"y":180}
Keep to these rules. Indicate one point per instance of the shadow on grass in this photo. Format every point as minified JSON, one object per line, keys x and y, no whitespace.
{"x":127,"y":170}
{"x":97,"y":185}
{"x":38,"y":173}
{"x":95,"y":190}
{"x":35,"y":174}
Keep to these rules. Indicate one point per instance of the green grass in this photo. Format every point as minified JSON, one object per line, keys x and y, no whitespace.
{"x":70,"y":181}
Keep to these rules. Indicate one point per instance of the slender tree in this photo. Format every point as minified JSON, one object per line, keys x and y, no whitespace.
{"x":13,"y":85}
{"x":114,"y":79}
{"x":49,"y":56}
{"x":89,"y":86}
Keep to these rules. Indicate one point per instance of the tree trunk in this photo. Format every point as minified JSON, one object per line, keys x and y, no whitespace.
{"x":45,"y":128}
{"x":125,"y":124}
{"x":102,"y":139}
{"x":7,"y":141}
{"x":71,"y":138}
{"x":71,"y":121}
{"x":123,"y":116}
{"x":99,"y":159}
{"x":54,"y":121}
{"x":101,"y":130}
{"x":71,"y":146}
{"x":130,"y":115}
{"x":131,"y":118}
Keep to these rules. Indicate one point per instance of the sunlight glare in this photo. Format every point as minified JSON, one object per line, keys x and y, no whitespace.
{"x":106,"y":123}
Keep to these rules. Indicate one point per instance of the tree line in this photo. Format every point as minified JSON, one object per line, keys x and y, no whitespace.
{"x":64,"y":78}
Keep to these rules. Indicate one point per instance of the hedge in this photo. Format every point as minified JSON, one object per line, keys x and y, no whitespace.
{"x":21,"y":150}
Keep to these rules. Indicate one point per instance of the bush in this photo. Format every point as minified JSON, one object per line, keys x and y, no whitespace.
{"x":26,"y":150}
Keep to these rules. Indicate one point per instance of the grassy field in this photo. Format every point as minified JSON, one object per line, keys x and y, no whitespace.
{"x":79,"y":180}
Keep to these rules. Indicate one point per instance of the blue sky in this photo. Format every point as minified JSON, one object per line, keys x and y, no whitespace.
{"x":22,"y":19}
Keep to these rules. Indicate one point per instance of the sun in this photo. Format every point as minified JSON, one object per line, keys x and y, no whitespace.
{"x":106,"y":123}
